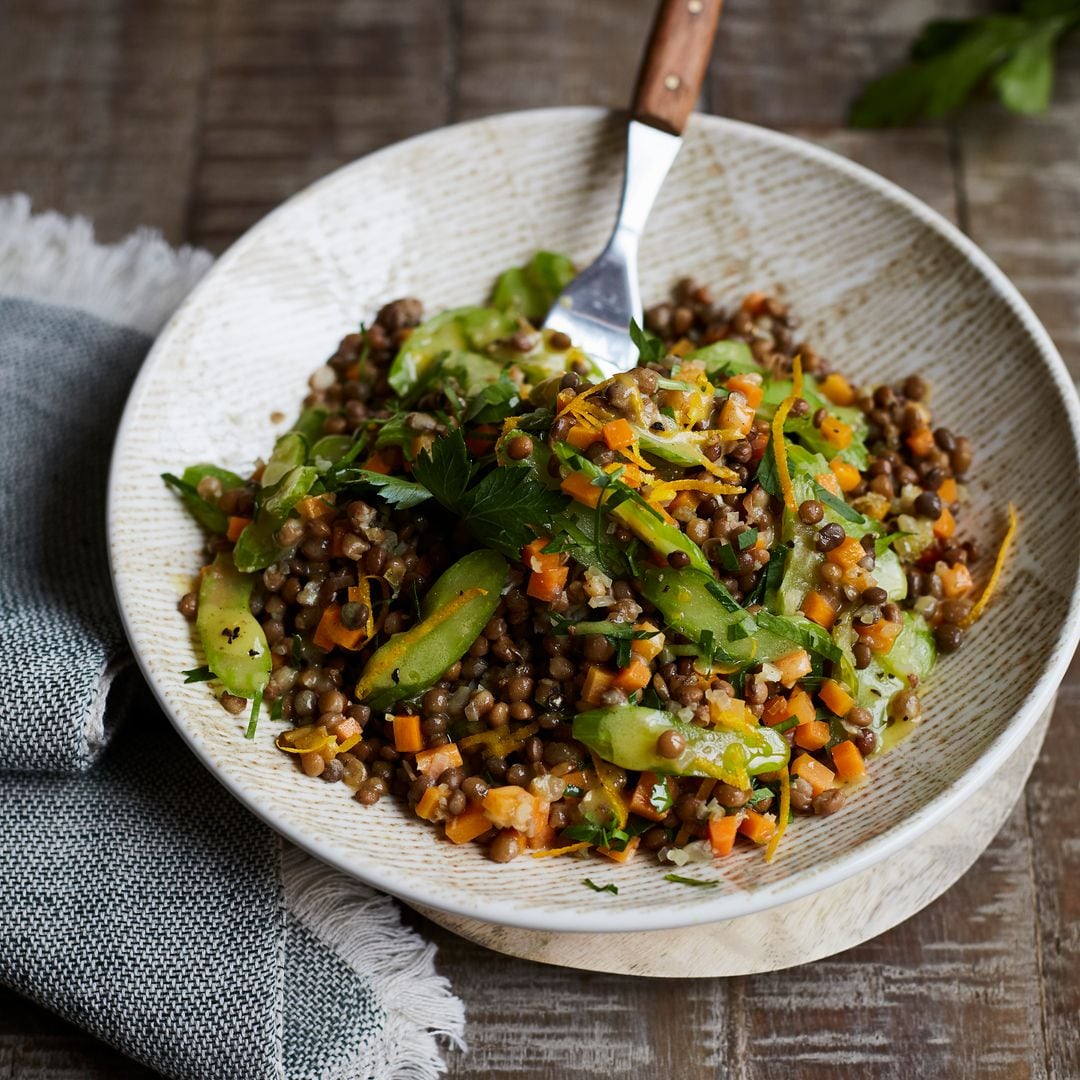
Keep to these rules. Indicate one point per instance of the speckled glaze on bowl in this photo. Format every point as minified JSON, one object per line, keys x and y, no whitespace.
{"x":885,"y":287}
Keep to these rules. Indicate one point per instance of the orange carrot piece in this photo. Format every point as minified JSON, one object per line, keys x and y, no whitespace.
{"x":830,"y":483}
{"x":438,"y":759}
{"x":312,"y":507}
{"x":581,"y":437}
{"x":627,"y":852}
{"x":817,"y":608}
{"x":640,"y":803}
{"x":956,"y":580}
{"x":837,"y":389}
{"x":547,"y":584}
{"x":812,"y":736}
{"x":597,"y":680}
{"x":835,"y":697}
{"x":757,"y":827}
{"x":777,"y":710}
{"x":945,"y":525}
{"x":332,"y":631}
{"x":880,"y":635}
{"x":618,"y":434}
{"x":801,"y":706}
{"x":737,"y":413}
{"x":848,"y":553}
{"x":468,"y":825}
{"x":793,"y":667}
{"x":380,"y":463}
{"x":748,"y":386}
{"x":633,"y":677}
{"x":948,"y":492}
{"x":722,"y":833}
{"x":535,"y":558}
{"x":848,"y":761}
{"x":819,"y":777}
{"x":836,"y":432}
{"x":425,"y":808}
{"x":236,"y":526}
{"x":921,"y":441}
{"x":647,"y":648}
{"x":581,"y":489}
{"x":407,"y":735}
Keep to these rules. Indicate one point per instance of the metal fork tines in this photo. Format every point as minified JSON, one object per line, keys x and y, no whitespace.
{"x":595,"y":309}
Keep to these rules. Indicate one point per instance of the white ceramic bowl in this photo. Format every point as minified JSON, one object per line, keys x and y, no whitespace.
{"x":885,"y":288}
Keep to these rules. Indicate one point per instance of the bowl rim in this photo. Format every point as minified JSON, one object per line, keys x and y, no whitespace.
{"x":727,"y":905}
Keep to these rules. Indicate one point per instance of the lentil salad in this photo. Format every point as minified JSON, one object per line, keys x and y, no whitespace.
{"x":666,"y":612}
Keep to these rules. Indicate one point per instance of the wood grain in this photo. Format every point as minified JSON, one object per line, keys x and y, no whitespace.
{"x":675,"y":62}
{"x":197,"y":118}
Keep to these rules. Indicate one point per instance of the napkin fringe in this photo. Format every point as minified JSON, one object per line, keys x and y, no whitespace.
{"x":399,"y":963}
{"x":138,"y":282}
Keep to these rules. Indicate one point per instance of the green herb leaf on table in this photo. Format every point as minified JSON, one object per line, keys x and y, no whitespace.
{"x":951,"y":58}
{"x":609,"y":887}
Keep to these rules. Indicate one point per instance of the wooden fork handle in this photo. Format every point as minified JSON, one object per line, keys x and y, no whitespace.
{"x":675,"y":63}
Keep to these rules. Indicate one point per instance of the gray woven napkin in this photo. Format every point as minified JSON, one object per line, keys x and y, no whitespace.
{"x":137,"y":899}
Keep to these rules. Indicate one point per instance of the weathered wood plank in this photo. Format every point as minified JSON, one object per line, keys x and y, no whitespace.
{"x":101,"y":105}
{"x":297,"y":88}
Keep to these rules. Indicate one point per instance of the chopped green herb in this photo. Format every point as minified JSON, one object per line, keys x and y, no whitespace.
{"x":253,"y":721}
{"x":787,"y":724}
{"x":661,"y":798}
{"x":747,"y":539}
{"x":199,"y":674}
{"x":650,"y":348}
{"x":763,"y":794}
{"x":766,"y":472}
{"x":847,"y":512}
{"x":680,"y":880}
{"x":609,"y":887}
{"x":394,"y":490}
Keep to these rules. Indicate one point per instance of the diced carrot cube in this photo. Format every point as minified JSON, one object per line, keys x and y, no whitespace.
{"x":829,"y":482}
{"x":749,"y":385}
{"x":634,"y":676}
{"x":945,"y":525}
{"x":581,"y":489}
{"x":847,"y":476}
{"x":921,"y":441}
{"x":837,"y":389}
{"x":332,"y":631}
{"x":848,"y":761}
{"x":407,"y":735}
{"x":948,"y":492}
{"x":647,"y":648}
{"x":880,"y":635}
{"x":547,"y":584}
{"x":777,"y":710}
{"x":581,"y":437}
{"x":544,"y":838}
{"x":848,"y":553}
{"x":468,"y":825}
{"x":312,"y":507}
{"x":801,"y":706}
{"x":438,"y":759}
{"x":757,"y":827}
{"x":428,"y":803}
{"x":812,"y":736}
{"x":597,"y":681}
{"x":618,"y":434}
{"x":380,"y":463}
{"x":627,"y":852}
{"x":793,"y":667}
{"x":540,"y":834}
{"x":722,"y":834}
{"x":817,"y":608}
{"x":737,"y":414}
{"x":955,"y":580}
{"x":344,"y":729}
{"x":818,"y":776}
{"x":512,"y":807}
{"x":836,"y":432}
{"x":835,"y":697}
{"x":535,"y":558}
{"x":640,"y":801}
{"x":236,"y":526}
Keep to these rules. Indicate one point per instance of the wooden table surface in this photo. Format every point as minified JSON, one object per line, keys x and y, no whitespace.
{"x":198,"y":116}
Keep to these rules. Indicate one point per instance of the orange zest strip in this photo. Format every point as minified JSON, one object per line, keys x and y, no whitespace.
{"x":779,"y":448}
{"x":784,"y":814}
{"x":999,"y":565}
{"x":560,"y":850}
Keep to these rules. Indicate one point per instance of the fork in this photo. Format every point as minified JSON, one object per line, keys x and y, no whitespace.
{"x":596,"y":308}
